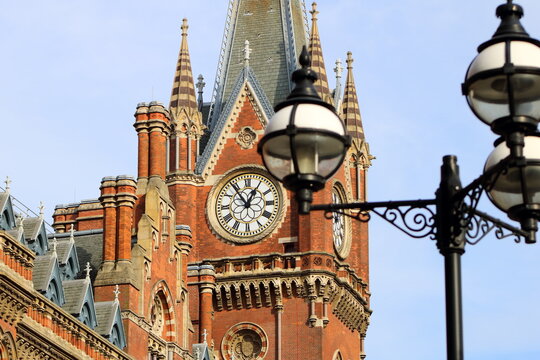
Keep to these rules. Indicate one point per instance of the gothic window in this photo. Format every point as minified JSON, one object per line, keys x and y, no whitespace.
{"x":85,"y":315}
{"x":52,"y":290}
{"x":115,"y":336}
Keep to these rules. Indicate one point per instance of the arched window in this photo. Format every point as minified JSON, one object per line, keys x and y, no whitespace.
{"x":52,"y":290}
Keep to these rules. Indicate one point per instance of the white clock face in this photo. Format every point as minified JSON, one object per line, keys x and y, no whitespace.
{"x":338,"y":223}
{"x":247,"y":205}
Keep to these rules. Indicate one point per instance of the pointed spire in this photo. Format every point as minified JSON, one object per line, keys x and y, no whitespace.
{"x":337,"y":91}
{"x":183,"y":91}
{"x":317,"y":60}
{"x":351,"y":109}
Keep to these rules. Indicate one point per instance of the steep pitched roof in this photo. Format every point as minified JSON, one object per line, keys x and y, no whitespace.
{"x":276,"y":31}
{"x":42,"y":274}
{"x":351,"y":109}
{"x":183,"y":90}
{"x":317,"y":59}
{"x":75,"y":292}
{"x":31,"y":227}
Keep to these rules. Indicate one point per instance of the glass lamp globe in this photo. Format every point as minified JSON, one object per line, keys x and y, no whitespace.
{"x":304,"y":140}
{"x":516,"y":191}
{"x":502,"y":83}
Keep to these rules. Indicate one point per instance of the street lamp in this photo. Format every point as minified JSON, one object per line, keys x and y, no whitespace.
{"x":305,"y":143}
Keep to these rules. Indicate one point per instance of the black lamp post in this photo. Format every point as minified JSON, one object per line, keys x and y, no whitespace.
{"x":305,"y":143}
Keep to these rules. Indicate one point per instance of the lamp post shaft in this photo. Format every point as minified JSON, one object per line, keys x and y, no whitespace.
{"x":454,"y":315}
{"x":451,"y":244}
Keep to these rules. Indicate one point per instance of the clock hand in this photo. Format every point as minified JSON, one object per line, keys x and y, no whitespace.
{"x":237,"y":192}
{"x":252,"y":194}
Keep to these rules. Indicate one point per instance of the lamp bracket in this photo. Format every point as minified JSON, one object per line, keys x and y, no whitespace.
{"x":415,"y":218}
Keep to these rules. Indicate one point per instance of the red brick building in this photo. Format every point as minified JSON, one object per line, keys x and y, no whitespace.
{"x":207,"y":252}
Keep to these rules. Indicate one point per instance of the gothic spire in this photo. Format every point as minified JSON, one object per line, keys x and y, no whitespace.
{"x":276,"y":31}
{"x":183,"y":91}
{"x":317,"y":60}
{"x":351,"y":109}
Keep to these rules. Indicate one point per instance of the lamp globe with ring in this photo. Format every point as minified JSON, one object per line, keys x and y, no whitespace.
{"x":502,"y":83}
{"x":305,"y":142}
{"x":516,"y":190}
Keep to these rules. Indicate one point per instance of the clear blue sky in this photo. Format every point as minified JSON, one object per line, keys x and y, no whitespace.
{"x":72,"y":72}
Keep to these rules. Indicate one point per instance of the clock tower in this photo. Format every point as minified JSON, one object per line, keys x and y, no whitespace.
{"x":263,"y":281}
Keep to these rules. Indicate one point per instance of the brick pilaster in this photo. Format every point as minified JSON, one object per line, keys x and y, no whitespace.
{"x":108,"y":201}
{"x":125,"y":201}
{"x":141,"y":125}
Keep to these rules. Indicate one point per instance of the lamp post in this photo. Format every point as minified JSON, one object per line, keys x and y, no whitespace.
{"x":305,"y":143}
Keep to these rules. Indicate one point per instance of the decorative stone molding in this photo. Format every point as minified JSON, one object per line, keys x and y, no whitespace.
{"x":246,"y":137}
{"x":244,"y":341}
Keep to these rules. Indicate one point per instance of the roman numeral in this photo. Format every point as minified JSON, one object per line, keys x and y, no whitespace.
{"x":236,"y":225}
{"x":269,"y":202}
{"x":225,"y":207}
{"x":248,"y":227}
{"x":267,"y":191}
{"x":248,"y":182}
{"x":227,"y":218}
{"x":266,"y":214}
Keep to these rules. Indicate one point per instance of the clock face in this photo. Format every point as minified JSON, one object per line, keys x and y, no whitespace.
{"x":247,"y":205}
{"x":338,"y":223}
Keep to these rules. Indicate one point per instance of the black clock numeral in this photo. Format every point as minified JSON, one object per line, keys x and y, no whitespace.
{"x":248,"y":182}
{"x":236,"y":225}
{"x":267,"y":214}
{"x":235,"y":186}
{"x":267,"y":191}
{"x":227,"y":218}
{"x":258,"y":223}
{"x":248,"y":228}
{"x":269,"y":202}
{"x":225,"y":207}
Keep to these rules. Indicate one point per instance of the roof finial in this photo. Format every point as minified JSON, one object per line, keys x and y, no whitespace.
{"x":200,"y":87}
{"x":54,"y":244}
{"x":41,"y":209}
{"x":247,"y":52}
{"x":116,"y":292}
{"x":20,"y":219}
{"x":350,"y":60}
{"x":88,"y":269}
{"x":314,"y":12}
{"x":71,"y":234}
{"x":7,"y":181}
{"x":184,"y":27}
{"x":338,"y":69}
{"x":204,"y":334}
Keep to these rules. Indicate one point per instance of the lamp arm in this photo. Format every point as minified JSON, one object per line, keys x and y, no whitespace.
{"x":481,"y":224}
{"x":415,"y":218}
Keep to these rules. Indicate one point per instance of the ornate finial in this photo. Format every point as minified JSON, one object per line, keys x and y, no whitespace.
{"x":116,"y":292}
{"x":338,"y":69}
{"x":304,"y":59}
{"x":200,"y":83}
{"x":314,"y":11}
{"x":72,"y":234}
{"x":350,"y":60}
{"x":7,"y":182}
{"x":197,"y":354}
{"x":184,"y":27}
{"x":204,"y":334}
{"x":54,"y":244}
{"x":247,"y":52}
{"x":41,"y":209}
{"x":20,"y":220}
{"x":88,"y":269}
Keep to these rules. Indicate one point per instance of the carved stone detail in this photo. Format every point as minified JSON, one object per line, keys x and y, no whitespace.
{"x":246,"y":137}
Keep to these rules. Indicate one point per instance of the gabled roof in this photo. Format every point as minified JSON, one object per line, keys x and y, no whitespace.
{"x":276,"y":31}
{"x":108,"y":315}
{"x":31,"y":227}
{"x":4,"y":197}
{"x":75,"y":292}
{"x":202,"y":352}
{"x":246,"y":77}
{"x":43,"y":271}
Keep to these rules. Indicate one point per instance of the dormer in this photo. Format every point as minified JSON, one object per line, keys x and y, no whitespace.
{"x":36,"y":235}
{"x":7,"y":217}
{"x":110,"y":323}
{"x":80,"y":301}
{"x":47,"y":278}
